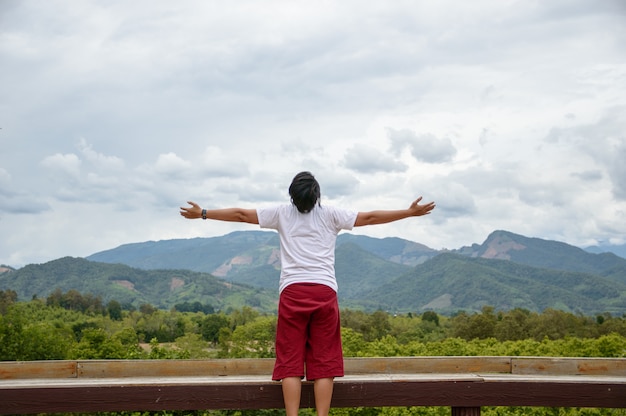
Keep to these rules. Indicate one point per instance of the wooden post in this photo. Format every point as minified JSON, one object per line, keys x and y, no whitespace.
{"x":465,"y":411}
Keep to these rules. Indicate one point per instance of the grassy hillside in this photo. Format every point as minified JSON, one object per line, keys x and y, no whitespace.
{"x":506,"y":271}
{"x":451,"y":282}
{"x":160,"y":288}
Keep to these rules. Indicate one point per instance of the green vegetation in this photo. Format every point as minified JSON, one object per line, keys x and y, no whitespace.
{"x":71,"y":325}
{"x":133,"y":287}
{"x":398,"y":276}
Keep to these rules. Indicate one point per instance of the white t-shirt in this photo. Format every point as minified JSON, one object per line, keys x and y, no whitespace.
{"x":307,"y":241}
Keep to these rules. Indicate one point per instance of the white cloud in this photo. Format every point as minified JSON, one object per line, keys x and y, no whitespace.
{"x":99,"y":160}
{"x":509,"y":114}
{"x":367,"y":159}
{"x":423,"y":147}
{"x":171,"y":164}
{"x":68,"y":164}
{"x":216,"y":163}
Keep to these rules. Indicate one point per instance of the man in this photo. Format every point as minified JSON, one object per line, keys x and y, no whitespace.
{"x":308,"y":331}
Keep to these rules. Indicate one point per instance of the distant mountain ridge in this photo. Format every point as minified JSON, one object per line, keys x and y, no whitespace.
{"x":450,"y":282}
{"x":506,"y":271}
{"x":208,"y":254}
{"x":372,"y":272}
{"x":133,"y":286}
{"x":546,"y":254}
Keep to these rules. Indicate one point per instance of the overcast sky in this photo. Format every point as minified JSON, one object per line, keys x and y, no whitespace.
{"x":508,"y":114}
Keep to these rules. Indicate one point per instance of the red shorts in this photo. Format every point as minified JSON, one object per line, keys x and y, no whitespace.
{"x":308,"y":332}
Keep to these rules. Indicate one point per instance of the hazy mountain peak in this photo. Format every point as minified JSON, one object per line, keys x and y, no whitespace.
{"x":499,"y":244}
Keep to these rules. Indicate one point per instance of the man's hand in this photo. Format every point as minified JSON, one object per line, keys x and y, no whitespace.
{"x":419,"y":210}
{"x":192,"y":212}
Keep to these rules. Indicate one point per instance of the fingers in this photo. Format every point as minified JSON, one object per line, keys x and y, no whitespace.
{"x":428,"y":207}
{"x":188,"y":212}
{"x":422,"y":209}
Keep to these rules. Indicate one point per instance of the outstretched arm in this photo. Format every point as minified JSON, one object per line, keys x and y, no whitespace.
{"x":383,"y":217}
{"x":225,"y":214}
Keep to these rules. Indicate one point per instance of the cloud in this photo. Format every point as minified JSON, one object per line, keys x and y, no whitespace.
{"x":589,"y":175}
{"x":367,"y":159}
{"x":68,"y":164}
{"x":604,"y":140}
{"x":14,"y":201}
{"x":99,"y":160}
{"x":337,"y":184}
{"x":216,"y":163}
{"x":171,"y":165}
{"x":453,"y":200}
{"x":508,"y":114}
{"x":617,"y":168}
{"x":424,"y":147}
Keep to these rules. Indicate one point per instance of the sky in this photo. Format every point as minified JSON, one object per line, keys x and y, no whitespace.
{"x":510,"y":115}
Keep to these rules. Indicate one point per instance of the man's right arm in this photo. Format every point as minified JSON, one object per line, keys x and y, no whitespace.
{"x":386,"y":216}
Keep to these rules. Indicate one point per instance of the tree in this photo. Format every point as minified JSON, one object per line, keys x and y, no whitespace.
{"x":352,"y":342}
{"x":147,"y":309}
{"x":254,"y":339}
{"x":210,"y":326}
{"x":97,"y":344}
{"x":379,"y":325}
{"x":11,"y":336}
{"x":514,"y":325}
{"x":475,"y":326}
{"x":114,"y":309}
{"x":194,"y":307}
{"x":554,"y":324}
{"x":243,"y":316}
{"x":431,"y":316}
{"x":193,"y":345}
{"x":7,"y":298}
{"x":45,"y":341}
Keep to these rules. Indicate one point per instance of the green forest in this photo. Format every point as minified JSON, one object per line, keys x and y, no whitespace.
{"x":71,"y":325}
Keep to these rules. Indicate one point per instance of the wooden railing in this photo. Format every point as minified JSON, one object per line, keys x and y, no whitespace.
{"x":463,"y":383}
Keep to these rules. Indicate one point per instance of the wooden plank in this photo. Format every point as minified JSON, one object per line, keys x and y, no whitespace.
{"x":569,"y":366}
{"x":350,"y":392}
{"x":477,"y":393}
{"x":135,"y":398}
{"x":468,"y":382}
{"x":407,"y":365}
{"x":164,"y":368}
{"x":10,"y":370}
{"x":555,"y":394}
{"x":179,"y":368}
{"x":389,"y":365}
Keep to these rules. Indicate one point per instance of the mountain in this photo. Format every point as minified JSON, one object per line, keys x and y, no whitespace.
{"x":619,"y":250}
{"x":252,"y":257}
{"x":452,"y":282}
{"x":546,"y":254}
{"x":197,"y":254}
{"x":393,"y":249}
{"x":219,"y":255}
{"x":131,"y":286}
{"x":506,"y":271}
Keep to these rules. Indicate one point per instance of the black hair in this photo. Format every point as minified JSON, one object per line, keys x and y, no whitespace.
{"x":305,"y":192}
